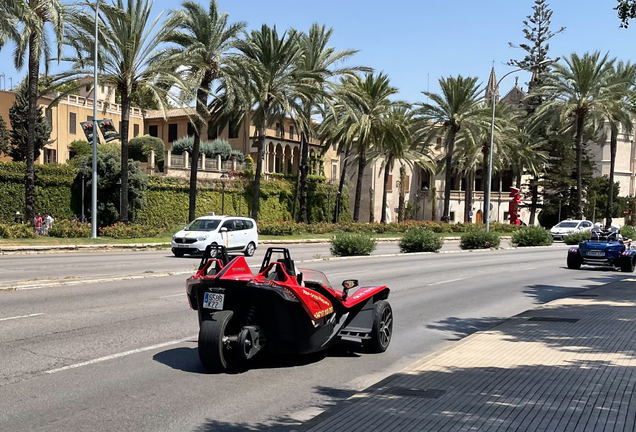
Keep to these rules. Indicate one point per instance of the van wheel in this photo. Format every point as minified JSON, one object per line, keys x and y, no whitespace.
{"x":250,"y":249}
{"x":178,"y":253}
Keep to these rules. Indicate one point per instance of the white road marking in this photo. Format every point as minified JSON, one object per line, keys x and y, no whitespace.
{"x":21,"y":316}
{"x":447,"y":281}
{"x":527,"y":268}
{"x":119,"y":355}
{"x":173,"y":295}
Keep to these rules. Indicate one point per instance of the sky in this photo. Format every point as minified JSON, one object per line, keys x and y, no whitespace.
{"x":416,"y":42}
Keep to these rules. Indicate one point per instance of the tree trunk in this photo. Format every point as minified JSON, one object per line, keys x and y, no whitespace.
{"x":450,"y":147}
{"x":387,"y":171}
{"x":580,"y":120}
{"x":125,"y":115}
{"x":336,"y":212}
{"x":401,"y":193}
{"x":433,"y":193}
{"x":518,"y":181}
{"x":304,"y":169}
{"x":610,"y":191}
{"x":371,"y":205}
{"x":29,"y":176}
{"x":259,"y":170}
{"x":202,"y":97}
{"x":468,"y":202}
{"x":362,"y":163}
{"x":296,"y":195}
{"x":535,"y":200}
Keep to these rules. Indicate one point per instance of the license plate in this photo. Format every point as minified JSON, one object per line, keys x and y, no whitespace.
{"x":182,"y":245}
{"x":596,"y":253}
{"x":213,"y":301}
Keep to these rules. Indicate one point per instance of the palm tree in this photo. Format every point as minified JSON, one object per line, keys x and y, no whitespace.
{"x":263,"y":76}
{"x":129,"y":61}
{"x":36,"y":20}
{"x":203,"y":38}
{"x":458,"y":104}
{"x":619,"y":114}
{"x":318,"y":60}
{"x":575,"y":90}
{"x":357,"y":117}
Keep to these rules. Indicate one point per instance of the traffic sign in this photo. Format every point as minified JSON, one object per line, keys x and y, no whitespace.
{"x":626,"y":212}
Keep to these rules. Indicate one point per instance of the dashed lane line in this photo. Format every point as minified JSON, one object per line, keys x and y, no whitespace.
{"x":120,"y":355}
{"x":21,"y":316}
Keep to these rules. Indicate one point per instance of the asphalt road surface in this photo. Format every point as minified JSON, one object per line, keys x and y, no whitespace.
{"x":122,"y":355}
{"x":45,"y":266}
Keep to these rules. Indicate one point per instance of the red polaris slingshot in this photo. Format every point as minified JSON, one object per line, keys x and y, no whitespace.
{"x":281,"y":309}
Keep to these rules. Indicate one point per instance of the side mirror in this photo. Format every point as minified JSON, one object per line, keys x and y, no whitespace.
{"x":223,"y":229}
{"x":347,"y":285}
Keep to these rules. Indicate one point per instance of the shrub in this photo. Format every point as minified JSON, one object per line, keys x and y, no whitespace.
{"x":240,"y":157}
{"x":577,"y":237}
{"x":69,"y":229}
{"x":16,"y":231}
{"x":479,"y":238}
{"x":629,"y":232}
{"x":349,"y":244}
{"x":531,"y":236}
{"x":220,"y":147}
{"x":80,"y":148}
{"x":420,"y":239}
{"x":182,"y":145}
{"x":139,"y":148}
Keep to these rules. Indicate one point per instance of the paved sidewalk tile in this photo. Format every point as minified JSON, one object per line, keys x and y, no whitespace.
{"x":569,"y":365}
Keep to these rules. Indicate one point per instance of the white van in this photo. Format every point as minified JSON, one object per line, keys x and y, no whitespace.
{"x":237,"y":234}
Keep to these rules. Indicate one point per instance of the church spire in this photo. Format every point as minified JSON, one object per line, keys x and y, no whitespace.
{"x":492,"y":89}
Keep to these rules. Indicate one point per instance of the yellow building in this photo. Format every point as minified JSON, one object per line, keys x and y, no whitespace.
{"x":282,"y":149}
{"x":65,"y":119}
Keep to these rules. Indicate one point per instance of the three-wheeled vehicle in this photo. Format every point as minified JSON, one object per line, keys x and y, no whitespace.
{"x":281,"y":309}
{"x":605,"y":248}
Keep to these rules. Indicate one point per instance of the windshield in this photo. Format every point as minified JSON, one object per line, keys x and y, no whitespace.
{"x":567,"y":225}
{"x":315,"y":276}
{"x":203,"y":225}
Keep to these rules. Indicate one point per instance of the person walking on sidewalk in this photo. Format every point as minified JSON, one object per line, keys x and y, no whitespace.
{"x":38,"y":224}
{"x":48,"y":223}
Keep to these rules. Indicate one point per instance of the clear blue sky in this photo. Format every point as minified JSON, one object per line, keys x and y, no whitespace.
{"x":412,"y":39}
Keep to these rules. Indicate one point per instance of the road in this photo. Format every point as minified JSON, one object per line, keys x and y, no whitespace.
{"x":70,"y":265}
{"x":122,"y":355}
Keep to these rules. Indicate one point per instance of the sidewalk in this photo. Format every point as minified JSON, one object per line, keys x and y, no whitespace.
{"x":569,"y":365}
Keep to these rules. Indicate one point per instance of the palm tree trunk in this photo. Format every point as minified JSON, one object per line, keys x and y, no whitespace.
{"x":535,"y":200}
{"x":296,"y":195}
{"x":387,"y":171}
{"x":336,"y":212}
{"x":468,"y":202}
{"x":401,"y":193}
{"x":202,"y":97}
{"x":580,"y":120}
{"x":450,"y":147}
{"x":29,"y":177}
{"x":518,"y":181}
{"x":362,"y":163}
{"x":304,"y":169}
{"x":125,"y":115}
{"x":610,"y":190}
{"x":259,"y":169}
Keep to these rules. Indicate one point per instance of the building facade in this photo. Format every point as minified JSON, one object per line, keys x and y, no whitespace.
{"x":282,"y":143}
{"x":65,"y":118}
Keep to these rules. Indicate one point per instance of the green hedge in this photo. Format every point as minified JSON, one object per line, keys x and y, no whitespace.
{"x":532,"y":236}
{"x":351,"y":244}
{"x":52,"y":189}
{"x":420,"y":239}
{"x":479,"y":238}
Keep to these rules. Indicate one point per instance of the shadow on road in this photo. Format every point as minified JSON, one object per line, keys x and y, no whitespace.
{"x":187,"y":359}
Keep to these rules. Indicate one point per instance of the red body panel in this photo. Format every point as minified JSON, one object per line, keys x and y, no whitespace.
{"x":315,"y":304}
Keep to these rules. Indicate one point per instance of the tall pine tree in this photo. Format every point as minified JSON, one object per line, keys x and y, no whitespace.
{"x":537,"y":32}
{"x":5,"y":139}
{"x":19,"y":118}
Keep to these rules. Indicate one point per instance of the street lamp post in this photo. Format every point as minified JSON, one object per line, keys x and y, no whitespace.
{"x":223,"y":177}
{"x":83,"y":167}
{"x":94,"y":196}
{"x":492,"y":139}
{"x":560,"y":198}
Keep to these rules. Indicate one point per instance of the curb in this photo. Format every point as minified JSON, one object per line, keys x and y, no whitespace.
{"x":146,"y":246}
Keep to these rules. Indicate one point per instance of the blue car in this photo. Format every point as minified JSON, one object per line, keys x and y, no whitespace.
{"x":604,"y":249}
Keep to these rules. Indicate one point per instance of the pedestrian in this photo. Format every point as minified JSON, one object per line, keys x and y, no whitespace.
{"x":38,"y":224}
{"x":49,"y":222}
{"x":18,"y":218}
